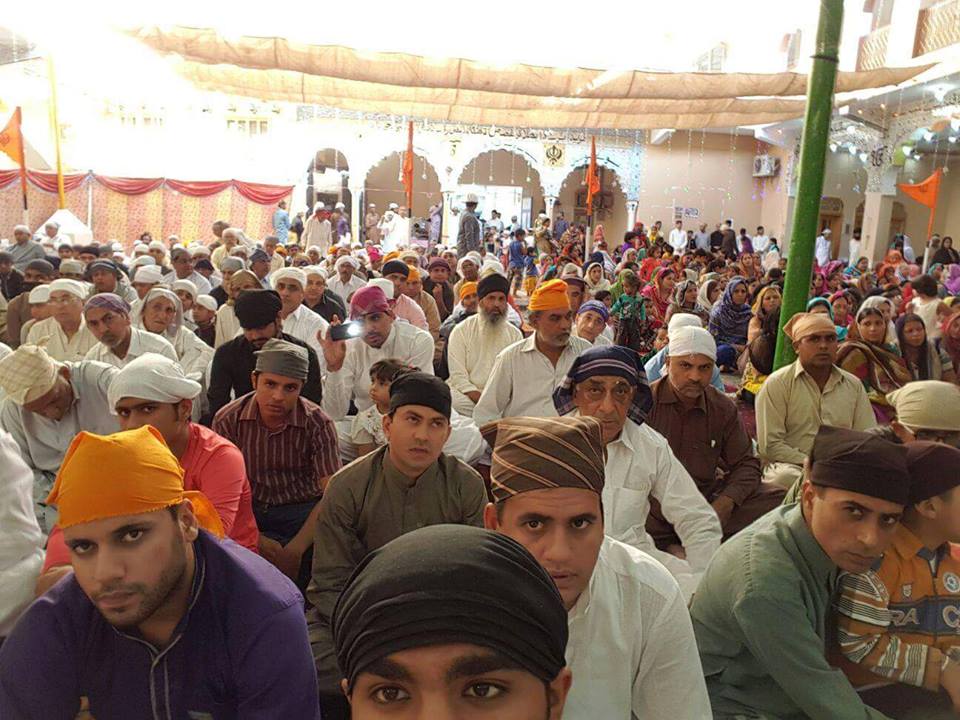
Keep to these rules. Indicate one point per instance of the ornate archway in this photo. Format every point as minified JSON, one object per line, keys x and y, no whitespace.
{"x":383,"y":184}
{"x":505,"y":180}
{"x":609,"y":205}
{"x":327,"y":179}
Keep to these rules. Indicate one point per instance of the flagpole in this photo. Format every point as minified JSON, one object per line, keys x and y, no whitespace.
{"x":18,"y":119}
{"x":55,"y":123}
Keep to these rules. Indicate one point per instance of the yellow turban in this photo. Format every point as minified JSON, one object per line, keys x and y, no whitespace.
{"x":127,"y":473}
{"x":467,"y":288}
{"x":803,"y":324}
{"x":413,"y":275}
{"x":551,"y":295}
{"x":391,"y":256}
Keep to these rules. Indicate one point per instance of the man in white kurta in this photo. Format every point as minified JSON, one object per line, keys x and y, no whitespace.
{"x":317,"y":231}
{"x":631,"y":646}
{"x":525,"y":374}
{"x":298,"y":320}
{"x":64,"y":334}
{"x":108,"y":317}
{"x":345,"y":282}
{"x":476,"y":342}
{"x":47,"y":404}
{"x":607,"y":383}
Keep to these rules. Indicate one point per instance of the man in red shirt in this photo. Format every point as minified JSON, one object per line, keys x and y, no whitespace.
{"x":152,"y":390}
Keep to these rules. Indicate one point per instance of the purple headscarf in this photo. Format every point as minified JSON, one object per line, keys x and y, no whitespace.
{"x":952,"y":283}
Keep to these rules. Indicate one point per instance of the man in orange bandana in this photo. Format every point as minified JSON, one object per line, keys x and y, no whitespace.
{"x":525,"y":373}
{"x":160,"y":618}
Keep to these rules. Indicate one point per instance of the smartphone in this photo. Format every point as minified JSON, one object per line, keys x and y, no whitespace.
{"x":345,"y":331}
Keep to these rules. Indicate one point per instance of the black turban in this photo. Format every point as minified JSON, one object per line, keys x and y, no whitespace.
{"x":494,"y":282}
{"x":934,"y":469}
{"x":395,"y":266}
{"x":419,"y":388}
{"x":860,"y":462}
{"x":447,"y":584}
{"x":44,"y":267}
{"x":257,"y":308}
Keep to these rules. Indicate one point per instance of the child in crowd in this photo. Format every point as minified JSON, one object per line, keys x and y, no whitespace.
{"x":530,"y":272}
{"x":366,"y":432}
{"x":205,"y":315}
{"x":632,"y":329}
{"x":40,"y":309}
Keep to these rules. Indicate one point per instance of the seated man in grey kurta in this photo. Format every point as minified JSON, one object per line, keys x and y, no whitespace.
{"x":47,"y":403}
{"x":407,"y":484}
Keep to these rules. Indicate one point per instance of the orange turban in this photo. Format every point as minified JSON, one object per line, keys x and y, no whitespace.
{"x":127,"y":473}
{"x":391,"y":256}
{"x":413,"y":275}
{"x":551,"y":295}
{"x":467,"y":288}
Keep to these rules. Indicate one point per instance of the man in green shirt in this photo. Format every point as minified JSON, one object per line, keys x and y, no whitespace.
{"x":761,"y":610}
{"x":405,"y":485}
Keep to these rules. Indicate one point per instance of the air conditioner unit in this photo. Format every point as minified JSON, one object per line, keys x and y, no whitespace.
{"x":765,"y":166}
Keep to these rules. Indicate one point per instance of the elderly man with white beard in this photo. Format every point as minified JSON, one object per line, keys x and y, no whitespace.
{"x":475,"y":343}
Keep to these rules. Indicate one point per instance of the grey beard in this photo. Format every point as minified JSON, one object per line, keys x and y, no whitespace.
{"x":491,"y":319}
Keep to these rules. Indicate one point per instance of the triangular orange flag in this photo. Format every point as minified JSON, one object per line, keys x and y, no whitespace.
{"x":924,"y":192}
{"x":593,"y":178}
{"x":11,"y":142}
{"x":408,"y":168}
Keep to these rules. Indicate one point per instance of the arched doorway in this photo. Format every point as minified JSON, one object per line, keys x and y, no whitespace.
{"x":609,"y":205}
{"x":505,"y":181}
{"x":384,"y":185}
{"x":831,"y":217}
{"x":898,"y":219}
{"x":327,"y":179}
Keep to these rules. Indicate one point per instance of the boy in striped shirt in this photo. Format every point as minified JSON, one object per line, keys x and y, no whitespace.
{"x":900,"y":621}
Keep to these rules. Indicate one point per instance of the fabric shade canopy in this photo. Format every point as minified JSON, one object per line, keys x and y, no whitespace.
{"x":466,"y":91}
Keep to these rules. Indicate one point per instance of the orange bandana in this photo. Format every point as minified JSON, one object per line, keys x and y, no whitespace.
{"x":127,"y":473}
{"x":550,"y":295}
{"x":467,"y":289}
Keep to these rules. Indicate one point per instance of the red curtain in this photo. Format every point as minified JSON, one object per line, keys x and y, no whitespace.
{"x":7,"y":177}
{"x":262,"y":194}
{"x":48,"y":181}
{"x":129,"y":186}
{"x":198,"y":188}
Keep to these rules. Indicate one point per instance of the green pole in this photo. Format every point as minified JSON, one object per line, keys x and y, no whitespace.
{"x":813,"y":151}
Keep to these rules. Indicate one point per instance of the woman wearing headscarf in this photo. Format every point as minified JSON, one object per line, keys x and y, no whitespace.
{"x":760,"y":354}
{"x":709,"y":290}
{"x":595,"y":279}
{"x":822,"y":305}
{"x":841,"y":304}
{"x":685,"y":300}
{"x":856,"y":270}
{"x":162,"y":313}
{"x":660,"y":291}
{"x":945,"y":254}
{"x":950,"y":338}
{"x":874,"y":362}
{"x":885,"y":306}
{"x":227,"y":327}
{"x":729,"y":321}
{"x":920,"y":353}
{"x":767,"y":301}
{"x":747,"y":266}
{"x":952,"y":281}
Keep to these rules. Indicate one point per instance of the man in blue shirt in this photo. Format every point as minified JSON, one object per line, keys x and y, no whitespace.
{"x":160,"y":618}
{"x":281,"y":222}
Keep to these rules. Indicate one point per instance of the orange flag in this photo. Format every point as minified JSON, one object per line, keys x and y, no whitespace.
{"x":593,"y":178}
{"x":11,"y":143}
{"x":408,"y":169}
{"x":924,"y":192}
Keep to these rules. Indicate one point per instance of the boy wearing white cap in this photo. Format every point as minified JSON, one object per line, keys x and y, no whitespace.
{"x":704,"y":430}
{"x":298,"y":320}
{"x":64,"y":334}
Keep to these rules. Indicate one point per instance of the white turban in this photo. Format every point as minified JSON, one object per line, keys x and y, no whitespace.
{"x":346,"y":259}
{"x":318,"y":206}
{"x":314,"y":270}
{"x":679,"y":320}
{"x":73,"y":287}
{"x":141,"y":261}
{"x":152,"y":377}
{"x":691,"y":341}
{"x":207,"y":301}
{"x":927,"y":405}
{"x":28,"y":373}
{"x":157,"y":245}
{"x":149,"y":275}
{"x":39,"y":295}
{"x":383,"y":284}
{"x":187,"y":285}
{"x":289,"y":273}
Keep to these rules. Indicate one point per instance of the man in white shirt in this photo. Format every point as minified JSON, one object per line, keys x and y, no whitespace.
{"x":318,"y":231}
{"x":64,"y":335}
{"x":760,"y":241}
{"x":47,"y":403}
{"x":298,"y":320}
{"x":608,"y":383}
{"x":346,"y":282}
{"x":21,"y":552}
{"x":525,"y":373}
{"x":678,"y":238}
{"x":631,"y":646}
{"x":475,"y":343}
{"x":182,"y":262}
{"x":108,"y":317}
{"x":822,"y":247}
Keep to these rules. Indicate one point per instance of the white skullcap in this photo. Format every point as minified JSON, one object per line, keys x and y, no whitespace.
{"x":148,"y":274}
{"x":393,"y":206}
{"x":199,"y":250}
{"x":141,"y":261}
{"x":239,"y":250}
{"x":339,"y":206}
{"x":373,"y":204}
{"x":188,"y":285}
{"x":679,"y":320}
{"x":157,"y":245}
{"x":691,"y":341}
{"x":39,"y":295}
{"x":27,"y":374}
{"x":74,"y":287}
{"x":140,"y":249}
{"x":472,"y":198}
{"x":383,"y":284}
{"x":151,"y":377}
{"x":314,"y":270}
{"x":289,"y":273}
{"x":347,"y":260}
{"x":207,"y":301}
{"x":318,"y":206}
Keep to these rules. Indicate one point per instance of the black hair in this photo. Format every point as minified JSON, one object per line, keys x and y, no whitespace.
{"x":924,"y":285}
{"x":602,"y":295}
{"x":922,"y":362}
{"x":389,"y":369}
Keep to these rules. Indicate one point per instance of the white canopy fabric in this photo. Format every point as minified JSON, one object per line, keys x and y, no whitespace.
{"x":466,"y":91}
